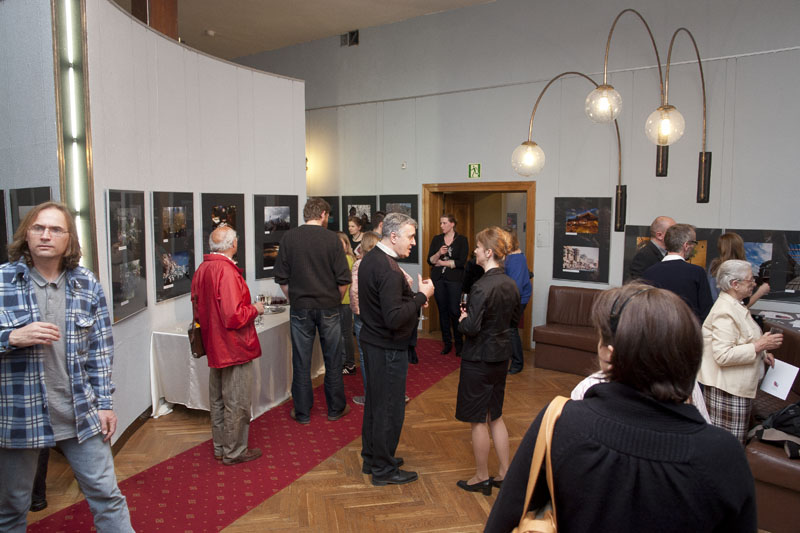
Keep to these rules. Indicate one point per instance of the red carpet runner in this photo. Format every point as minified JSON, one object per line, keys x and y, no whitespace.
{"x":193,"y":492}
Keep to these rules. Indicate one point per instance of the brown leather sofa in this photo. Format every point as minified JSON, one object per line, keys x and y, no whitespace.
{"x":567,"y":342}
{"x":777,"y":477}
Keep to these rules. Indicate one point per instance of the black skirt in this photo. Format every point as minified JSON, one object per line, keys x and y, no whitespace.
{"x":481,"y":390}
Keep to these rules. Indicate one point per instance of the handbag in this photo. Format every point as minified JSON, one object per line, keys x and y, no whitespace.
{"x":543,"y":520}
{"x":195,"y":338}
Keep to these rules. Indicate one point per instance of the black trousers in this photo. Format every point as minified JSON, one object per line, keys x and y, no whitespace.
{"x":384,"y":408}
{"x":448,"y":300}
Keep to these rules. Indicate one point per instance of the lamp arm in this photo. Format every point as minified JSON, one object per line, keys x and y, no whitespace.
{"x":652,"y":40}
{"x":702,"y":77}
{"x":590,"y":80}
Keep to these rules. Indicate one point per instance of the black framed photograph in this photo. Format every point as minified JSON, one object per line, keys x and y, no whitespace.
{"x":273,"y":216}
{"x":125,"y":211}
{"x":225,"y":209}
{"x":334,"y":218}
{"x":362,"y":207}
{"x":582,"y":239}
{"x":3,"y":229}
{"x":23,"y":200}
{"x":775,"y":258}
{"x":173,"y":243}
{"x":408,"y":204}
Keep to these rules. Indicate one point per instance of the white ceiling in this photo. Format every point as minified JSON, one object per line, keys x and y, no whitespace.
{"x":245,"y":27}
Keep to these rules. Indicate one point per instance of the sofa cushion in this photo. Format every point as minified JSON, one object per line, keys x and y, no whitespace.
{"x":770,"y":464}
{"x":570,"y":305}
{"x":578,"y":337}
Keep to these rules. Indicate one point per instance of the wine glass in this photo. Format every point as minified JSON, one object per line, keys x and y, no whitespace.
{"x":259,"y":320}
{"x":268,"y":300}
{"x":464,"y":301}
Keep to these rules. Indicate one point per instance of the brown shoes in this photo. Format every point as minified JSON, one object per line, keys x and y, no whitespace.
{"x":334,"y":418}
{"x":247,"y":455}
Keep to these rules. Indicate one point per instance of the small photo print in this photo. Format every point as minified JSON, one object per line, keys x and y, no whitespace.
{"x":580,"y":259}
{"x":129,"y":274}
{"x":362,"y":211}
{"x":270,"y":254}
{"x":759,"y":255}
{"x":174,"y":267}
{"x":582,"y":220}
{"x":641,"y":242}
{"x":173,"y":222}
{"x":700,"y":254}
{"x":399,"y":207}
{"x":129,"y":230}
{"x":223,"y":215}
{"x":276,"y":218}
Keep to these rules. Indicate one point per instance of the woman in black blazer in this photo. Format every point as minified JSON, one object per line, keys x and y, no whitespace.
{"x":447,"y":255}
{"x":488,"y":321}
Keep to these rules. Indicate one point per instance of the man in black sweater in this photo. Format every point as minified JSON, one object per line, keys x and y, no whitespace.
{"x":389,"y":312}
{"x":652,"y":252}
{"x":312,"y":271}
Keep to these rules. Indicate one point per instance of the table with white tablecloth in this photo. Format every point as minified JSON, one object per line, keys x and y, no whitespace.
{"x":177,"y":377}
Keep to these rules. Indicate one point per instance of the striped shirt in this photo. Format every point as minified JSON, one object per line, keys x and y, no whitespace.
{"x":24,"y":418}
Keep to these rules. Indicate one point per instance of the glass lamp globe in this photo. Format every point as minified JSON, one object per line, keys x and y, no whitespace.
{"x":664,"y":126}
{"x":527,"y":159}
{"x":603,"y":104}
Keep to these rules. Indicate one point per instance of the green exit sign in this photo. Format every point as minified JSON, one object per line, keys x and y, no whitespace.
{"x":474,"y":170}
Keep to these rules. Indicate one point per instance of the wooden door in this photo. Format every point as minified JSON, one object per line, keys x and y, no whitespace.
{"x":461,"y":206}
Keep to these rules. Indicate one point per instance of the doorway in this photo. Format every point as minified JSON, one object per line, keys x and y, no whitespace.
{"x":473,"y":204}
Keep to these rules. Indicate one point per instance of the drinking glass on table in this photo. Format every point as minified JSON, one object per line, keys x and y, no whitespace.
{"x":259,"y":320}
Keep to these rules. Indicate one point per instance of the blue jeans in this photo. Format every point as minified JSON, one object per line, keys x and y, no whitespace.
{"x":357,"y":323}
{"x":348,"y":354}
{"x":93,"y":466}
{"x":305,"y":323}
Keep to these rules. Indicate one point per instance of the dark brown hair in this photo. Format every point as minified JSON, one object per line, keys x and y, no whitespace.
{"x":657,"y":343}
{"x":497,"y":240}
{"x":19,"y":245}
{"x":450,"y":217}
{"x":730,"y":246}
{"x":314,"y":208}
{"x":356,"y":220}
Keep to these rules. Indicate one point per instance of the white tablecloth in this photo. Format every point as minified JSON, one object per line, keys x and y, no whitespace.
{"x":177,"y":377}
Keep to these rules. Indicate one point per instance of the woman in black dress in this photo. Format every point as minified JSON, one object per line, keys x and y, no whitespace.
{"x":354,"y":230}
{"x":487,"y":322}
{"x":447,"y":255}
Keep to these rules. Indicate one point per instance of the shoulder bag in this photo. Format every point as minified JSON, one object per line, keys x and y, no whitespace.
{"x":195,"y":338}
{"x":543,"y":520}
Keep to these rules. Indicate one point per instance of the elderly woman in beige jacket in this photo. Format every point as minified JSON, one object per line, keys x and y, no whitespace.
{"x":734,"y":351}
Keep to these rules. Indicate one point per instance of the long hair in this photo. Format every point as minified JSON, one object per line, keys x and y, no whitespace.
{"x":730,"y":246}
{"x":18,"y":249}
{"x":348,"y":249}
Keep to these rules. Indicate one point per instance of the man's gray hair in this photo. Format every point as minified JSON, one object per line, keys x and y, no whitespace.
{"x":221,"y":239}
{"x":730,"y":270}
{"x":678,"y":235}
{"x":394,"y":221}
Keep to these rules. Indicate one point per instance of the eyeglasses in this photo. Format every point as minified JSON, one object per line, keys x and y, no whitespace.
{"x":751,"y":280}
{"x":55,"y":231}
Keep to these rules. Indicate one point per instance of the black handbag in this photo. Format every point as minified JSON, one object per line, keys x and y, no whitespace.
{"x":195,"y":338}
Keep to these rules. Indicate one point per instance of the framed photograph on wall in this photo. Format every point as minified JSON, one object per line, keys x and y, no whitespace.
{"x":775,"y":258}
{"x":173,"y":243}
{"x":581,"y":240}
{"x":125,"y":211}
{"x":408,"y":204}
{"x":23,"y":200}
{"x":334,"y":218}
{"x":3,"y":229}
{"x":362,"y":207}
{"x":273,"y":216}
{"x":228,"y":209}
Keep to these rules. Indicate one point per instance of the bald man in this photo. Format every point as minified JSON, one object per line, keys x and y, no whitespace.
{"x":221,"y":303}
{"x":654,"y":251}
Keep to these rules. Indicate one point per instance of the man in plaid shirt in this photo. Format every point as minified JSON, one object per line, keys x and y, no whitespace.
{"x":55,"y":370}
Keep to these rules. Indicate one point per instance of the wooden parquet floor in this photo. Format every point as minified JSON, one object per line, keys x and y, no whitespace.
{"x":335,"y":496}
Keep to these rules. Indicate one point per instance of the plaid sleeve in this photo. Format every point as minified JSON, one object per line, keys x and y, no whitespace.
{"x":101,"y":351}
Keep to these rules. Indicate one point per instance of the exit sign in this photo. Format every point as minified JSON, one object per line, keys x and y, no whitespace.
{"x":474,"y":170}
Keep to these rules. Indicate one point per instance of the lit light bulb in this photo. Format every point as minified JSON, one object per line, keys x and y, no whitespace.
{"x":664,"y":126}
{"x":528,"y":159}
{"x":603,"y":104}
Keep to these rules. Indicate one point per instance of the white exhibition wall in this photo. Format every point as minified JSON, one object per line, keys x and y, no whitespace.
{"x":167,"y":118}
{"x":445,"y":90}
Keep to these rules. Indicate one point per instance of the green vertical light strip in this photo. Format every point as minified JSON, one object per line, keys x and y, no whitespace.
{"x":72,"y":99}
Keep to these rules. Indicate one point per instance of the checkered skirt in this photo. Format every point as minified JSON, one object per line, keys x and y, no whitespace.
{"x":728,"y":411}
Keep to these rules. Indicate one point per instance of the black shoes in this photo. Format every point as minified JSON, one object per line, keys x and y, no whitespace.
{"x":38,"y":505}
{"x":401,"y":477}
{"x":334,"y":418}
{"x":398,"y":462}
{"x":446,"y":349}
{"x":512,"y":371}
{"x":495,"y":482}
{"x":293,"y":414}
{"x":483,"y":486}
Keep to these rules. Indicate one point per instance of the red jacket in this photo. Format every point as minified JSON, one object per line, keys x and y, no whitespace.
{"x":225,"y":313}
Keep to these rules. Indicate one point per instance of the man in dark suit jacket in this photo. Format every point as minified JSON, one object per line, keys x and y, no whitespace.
{"x":652,"y":252}
{"x":675,"y":274}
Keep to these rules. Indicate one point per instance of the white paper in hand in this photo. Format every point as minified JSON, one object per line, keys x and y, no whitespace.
{"x":779,"y":379}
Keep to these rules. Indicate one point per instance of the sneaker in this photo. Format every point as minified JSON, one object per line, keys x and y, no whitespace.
{"x":359,"y":400}
{"x":407,"y":398}
{"x":293,"y":414}
{"x":349,"y":370}
{"x":334,"y":418}
{"x":247,"y":455}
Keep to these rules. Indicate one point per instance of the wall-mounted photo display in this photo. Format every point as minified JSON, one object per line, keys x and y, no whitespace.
{"x":173,"y":243}
{"x":408,"y":204}
{"x":125,"y":211}
{"x":273,"y":217}
{"x":334,"y":217}
{"x":581,"y":240}
{"x":227,"y":209}
{"x":704,"y":252}
{"x":775,"y":258}
{"x":362,"y":207}
{"x":23,"y":200}
{"x":3,"y":229}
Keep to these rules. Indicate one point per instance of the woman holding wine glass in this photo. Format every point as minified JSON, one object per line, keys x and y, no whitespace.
{"x":492,"y":310}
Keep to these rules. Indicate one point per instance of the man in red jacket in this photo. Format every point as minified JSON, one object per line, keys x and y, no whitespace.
{"x":226,"y":319}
